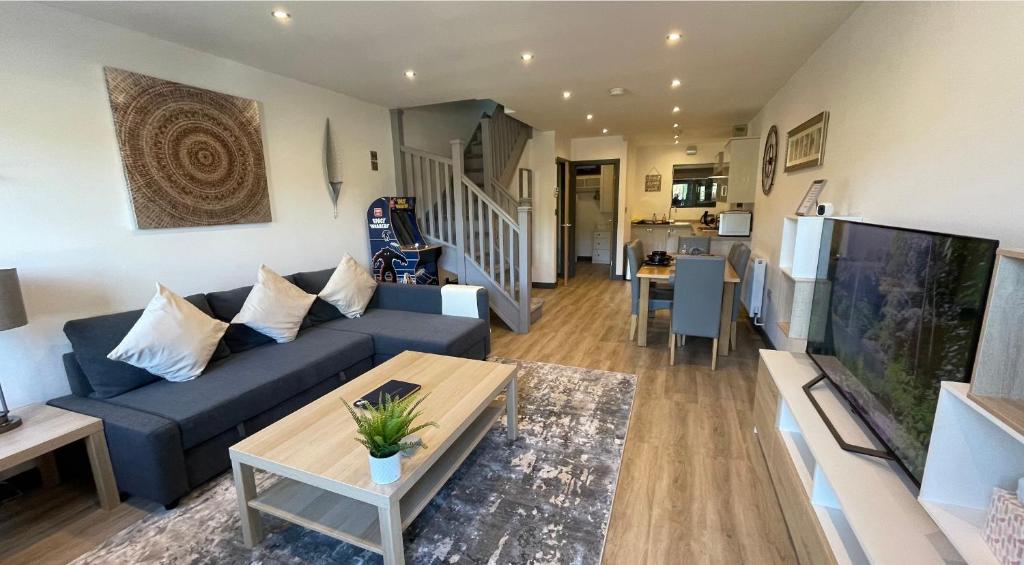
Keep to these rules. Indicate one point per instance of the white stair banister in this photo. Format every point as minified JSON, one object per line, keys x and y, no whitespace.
{"x":485,"y":234}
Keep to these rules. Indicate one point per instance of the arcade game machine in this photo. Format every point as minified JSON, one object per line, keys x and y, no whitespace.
{"x":397,"y":250}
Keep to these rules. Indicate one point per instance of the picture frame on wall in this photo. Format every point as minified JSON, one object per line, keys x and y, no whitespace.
{"x":805,"y":144}
{"x":652,"y":182}
{"x":810,"y":201}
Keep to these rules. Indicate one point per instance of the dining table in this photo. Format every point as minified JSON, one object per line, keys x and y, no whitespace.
{"x":650,"y":273}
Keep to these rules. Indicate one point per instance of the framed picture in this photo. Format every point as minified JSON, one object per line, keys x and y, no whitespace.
{"x":805,"y":144}
{"x":810,"y":202}
{"x":652,"y":183}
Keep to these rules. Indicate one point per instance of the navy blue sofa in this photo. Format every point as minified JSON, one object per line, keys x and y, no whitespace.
{"x":167,"y":438}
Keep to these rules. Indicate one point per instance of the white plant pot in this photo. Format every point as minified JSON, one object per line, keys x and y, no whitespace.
{"x":386,"y":471}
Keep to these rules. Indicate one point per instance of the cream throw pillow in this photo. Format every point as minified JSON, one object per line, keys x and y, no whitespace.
{"x":173,"y":339}
{"x":350,"y":288}
{"x":274,"y":307}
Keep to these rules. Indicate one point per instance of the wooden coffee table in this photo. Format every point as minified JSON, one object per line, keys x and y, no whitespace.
{"x":325,"y":475}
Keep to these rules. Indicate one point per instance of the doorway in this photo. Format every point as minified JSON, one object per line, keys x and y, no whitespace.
{"x":587,"y":212}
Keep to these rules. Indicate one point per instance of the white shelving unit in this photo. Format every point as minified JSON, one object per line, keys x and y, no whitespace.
{"x":798,"y":262}
{"x":866,"y":508}
{"x":998,"y":381}
{"x":971,"y":452}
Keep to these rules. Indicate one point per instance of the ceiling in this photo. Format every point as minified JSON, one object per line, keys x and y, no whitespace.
{"x":731,"y":59}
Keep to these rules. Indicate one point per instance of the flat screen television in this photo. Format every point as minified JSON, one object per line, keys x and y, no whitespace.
{"x":895,"y":312}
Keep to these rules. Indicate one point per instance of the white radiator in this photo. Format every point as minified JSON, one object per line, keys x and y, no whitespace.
{"x":752,"y":291}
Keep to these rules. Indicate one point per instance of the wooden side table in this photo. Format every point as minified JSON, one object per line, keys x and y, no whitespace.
{"x":46,"y":428}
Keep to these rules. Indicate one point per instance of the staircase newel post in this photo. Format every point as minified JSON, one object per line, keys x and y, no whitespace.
{"x":525,"y":211}
{"x":398,"y":139}
{"x":487,"y":149}
{"x":458,"y":170}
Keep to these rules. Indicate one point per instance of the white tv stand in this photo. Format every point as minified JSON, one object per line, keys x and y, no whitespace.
{"x":840,"y":507}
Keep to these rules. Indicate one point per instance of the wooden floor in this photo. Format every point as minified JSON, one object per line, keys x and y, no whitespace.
{"x":692,"y":488}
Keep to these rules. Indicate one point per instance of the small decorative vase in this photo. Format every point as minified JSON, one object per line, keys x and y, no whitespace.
{"x":387,"y":470}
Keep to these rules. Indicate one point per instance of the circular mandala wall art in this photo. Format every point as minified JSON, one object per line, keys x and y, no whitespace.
{"x":192,"y":157}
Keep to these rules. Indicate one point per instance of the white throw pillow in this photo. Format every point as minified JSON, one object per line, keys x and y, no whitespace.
{"x":350,"y":288}
{"x":274,"y":307}
{"x":173,"y":339}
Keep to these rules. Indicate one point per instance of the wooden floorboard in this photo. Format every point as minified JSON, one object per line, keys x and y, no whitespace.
{"x":693,"y":487}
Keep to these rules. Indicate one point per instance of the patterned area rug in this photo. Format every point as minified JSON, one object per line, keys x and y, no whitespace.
{"x":546,"y":498}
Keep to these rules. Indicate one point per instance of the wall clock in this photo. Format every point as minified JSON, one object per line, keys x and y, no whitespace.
{"x":770,"y":160}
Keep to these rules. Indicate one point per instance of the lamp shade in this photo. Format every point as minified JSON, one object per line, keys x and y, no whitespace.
{"x":12,"y":306}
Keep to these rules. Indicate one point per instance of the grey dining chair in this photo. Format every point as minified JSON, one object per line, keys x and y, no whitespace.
{"x":739,"y":256}
{"x":660,"y":299}
{"x":697,"y":311}
{"x":693,"y":243}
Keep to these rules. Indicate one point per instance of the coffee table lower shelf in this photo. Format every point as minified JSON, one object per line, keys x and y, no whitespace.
{"x":354,"y":521}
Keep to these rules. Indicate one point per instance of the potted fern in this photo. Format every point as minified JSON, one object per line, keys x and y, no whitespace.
{"x":384,"y":430}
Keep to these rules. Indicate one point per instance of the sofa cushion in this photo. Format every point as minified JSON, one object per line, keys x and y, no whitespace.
{"x":313,"y":282}
{"x":395,"y":331}
{"x":227,"y":303}
{"x":249,"y":383}
{"x":94,"y":338}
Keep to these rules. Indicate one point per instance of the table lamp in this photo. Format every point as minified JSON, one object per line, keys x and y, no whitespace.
{"x":12,"y":315}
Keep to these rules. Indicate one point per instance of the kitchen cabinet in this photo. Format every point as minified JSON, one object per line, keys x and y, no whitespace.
{"x":742,"y":167}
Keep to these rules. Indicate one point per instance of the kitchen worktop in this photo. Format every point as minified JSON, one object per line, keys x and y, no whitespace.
{"x":695,"y":228}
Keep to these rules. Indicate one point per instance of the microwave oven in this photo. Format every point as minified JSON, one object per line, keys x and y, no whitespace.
{"x":735,"y":223}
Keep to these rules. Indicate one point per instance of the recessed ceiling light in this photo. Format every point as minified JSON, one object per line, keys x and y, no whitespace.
{"x":675,"y":125}
{"x":675,"y":109}
{"x":281,"y":14}
{"x":676,"y":136}
{"x":605,"y":130}
{"x":677,"y":142}
{"x":676,"y":82}
{"x":674,"y":36}
{"x":526,"y":57}
{"x":616,"y":91}
{"x":410,"y":74}
{"x":566,"y":94}
{"x":590,"y":116}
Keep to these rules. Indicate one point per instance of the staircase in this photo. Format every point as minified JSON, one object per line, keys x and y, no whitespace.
{"x":462,"y":204}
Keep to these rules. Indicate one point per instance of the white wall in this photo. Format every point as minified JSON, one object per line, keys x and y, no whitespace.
{"x":539,"y":156}
{"x":926,"y":124}
{"x":65,"y":218}
{"x":662,"y":157}
{"x":432,"y":128}
{"x":609,"y":147}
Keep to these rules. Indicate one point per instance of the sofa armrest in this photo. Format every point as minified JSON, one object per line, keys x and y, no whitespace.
{"x":423,"y":298}
{"x":145,"y":450}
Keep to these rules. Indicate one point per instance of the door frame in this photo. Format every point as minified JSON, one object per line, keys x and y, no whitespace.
{"x":615,"y":163}
{"x":562,"y":181}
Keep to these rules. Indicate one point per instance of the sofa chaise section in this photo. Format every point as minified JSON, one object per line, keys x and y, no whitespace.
{"x":406,"y":317}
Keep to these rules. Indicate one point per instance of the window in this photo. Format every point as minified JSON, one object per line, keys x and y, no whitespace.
{"x":693,"y":186}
